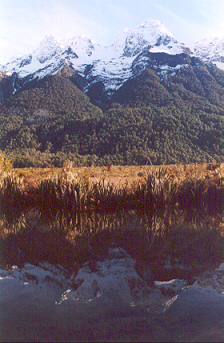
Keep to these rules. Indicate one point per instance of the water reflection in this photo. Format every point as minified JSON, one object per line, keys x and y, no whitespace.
{"x":145,"y":269}
{"x":192,"y":239}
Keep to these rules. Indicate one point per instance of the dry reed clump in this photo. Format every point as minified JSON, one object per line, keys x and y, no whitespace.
{"x":12,"y":203}
{"x":104,"y":196}
{"x":11,"y":190}
{"x":71,"y":190}
{"x":191,"y":194}
{"x":57,"y":193}
{"x":60,"y":191}
{"x":5,"y":165}
{"x":157,"y":191}
{"x":67,"y":173}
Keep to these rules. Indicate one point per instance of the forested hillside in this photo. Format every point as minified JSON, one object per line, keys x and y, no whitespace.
{"x":177,"y":119}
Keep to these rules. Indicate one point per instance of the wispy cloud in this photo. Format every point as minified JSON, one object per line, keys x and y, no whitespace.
{"x":211,"y":9}
{"x":203,"y":19}
{"x":213,"y":14}
{"x":172,"y":14}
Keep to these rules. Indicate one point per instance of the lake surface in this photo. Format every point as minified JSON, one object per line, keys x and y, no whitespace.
{"x":120,"y":277}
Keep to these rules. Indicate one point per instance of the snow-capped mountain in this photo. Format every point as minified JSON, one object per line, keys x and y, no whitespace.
{"x":211,"y":51}
{"x":151,"y":35}
{"x":111,"y":65}
{"x":150,"y":45}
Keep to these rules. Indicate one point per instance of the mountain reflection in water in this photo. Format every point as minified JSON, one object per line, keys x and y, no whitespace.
{"x":126,"y":276}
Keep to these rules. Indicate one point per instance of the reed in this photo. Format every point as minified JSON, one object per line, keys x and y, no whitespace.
{"x":57,"y":193}
{"x":12,"y":203}
{"x":11,"y":191}
{"x":105,"y":197}
{"x":69,"y":192}
{"x":157,"y":192}
{"x":191,"y":194}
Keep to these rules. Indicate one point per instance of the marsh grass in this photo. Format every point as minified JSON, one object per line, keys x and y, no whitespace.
{"x":12,"y":203}
{"x":156,"y":192}
{"x":104,"y":196}
{"x":11,"y":193}
{"x":191,"y":194}
{"x":73,"y":190}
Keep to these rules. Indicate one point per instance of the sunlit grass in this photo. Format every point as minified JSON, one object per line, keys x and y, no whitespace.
{"x":110,"y":189}
{"x":126,"y":175}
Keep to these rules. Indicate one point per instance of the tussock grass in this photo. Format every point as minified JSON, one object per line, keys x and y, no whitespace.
{"x":11,"y":191}
{"x":74,"y":189}
{"x":125,"y":175}
{"x":12,"y":202}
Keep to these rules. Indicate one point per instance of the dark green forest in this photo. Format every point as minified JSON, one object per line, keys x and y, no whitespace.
{"x":178,"y":119}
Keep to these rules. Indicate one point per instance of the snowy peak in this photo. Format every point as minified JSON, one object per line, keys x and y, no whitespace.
{"x":211,"y":51}
{"x":80,"y":51}
{"x":48,"y":48}
{"x":151,"y":35}
{"x":154,"y":28}
{"x":82,"y":44}
{"x":48,"y":43}
{"x":150,"y":45}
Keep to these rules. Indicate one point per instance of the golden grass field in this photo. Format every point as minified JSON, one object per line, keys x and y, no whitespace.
{"x":122,"y":176}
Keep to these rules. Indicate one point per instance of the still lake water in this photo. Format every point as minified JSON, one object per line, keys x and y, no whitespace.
{"x":120,"y":277}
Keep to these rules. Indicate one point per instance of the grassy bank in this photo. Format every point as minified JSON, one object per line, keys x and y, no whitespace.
{"x":152,"y":212}
{"x":122,"y":176}
{"x":111,"y":189}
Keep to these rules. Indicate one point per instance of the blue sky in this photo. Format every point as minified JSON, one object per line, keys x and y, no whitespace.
{"x":24,"y":23}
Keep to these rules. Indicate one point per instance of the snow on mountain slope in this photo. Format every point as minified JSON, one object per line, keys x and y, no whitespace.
{"x":152,"y":34}
{"x":112,"y":65}
{"x":45,"y":60}
{"x":211,"y":51}
{"x":128,"y":56}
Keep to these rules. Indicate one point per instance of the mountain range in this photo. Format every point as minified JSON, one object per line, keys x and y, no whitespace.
{"x":144,"y":95}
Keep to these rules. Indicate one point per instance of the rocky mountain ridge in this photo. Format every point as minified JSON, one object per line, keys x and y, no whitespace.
{"x":150,"y":45}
